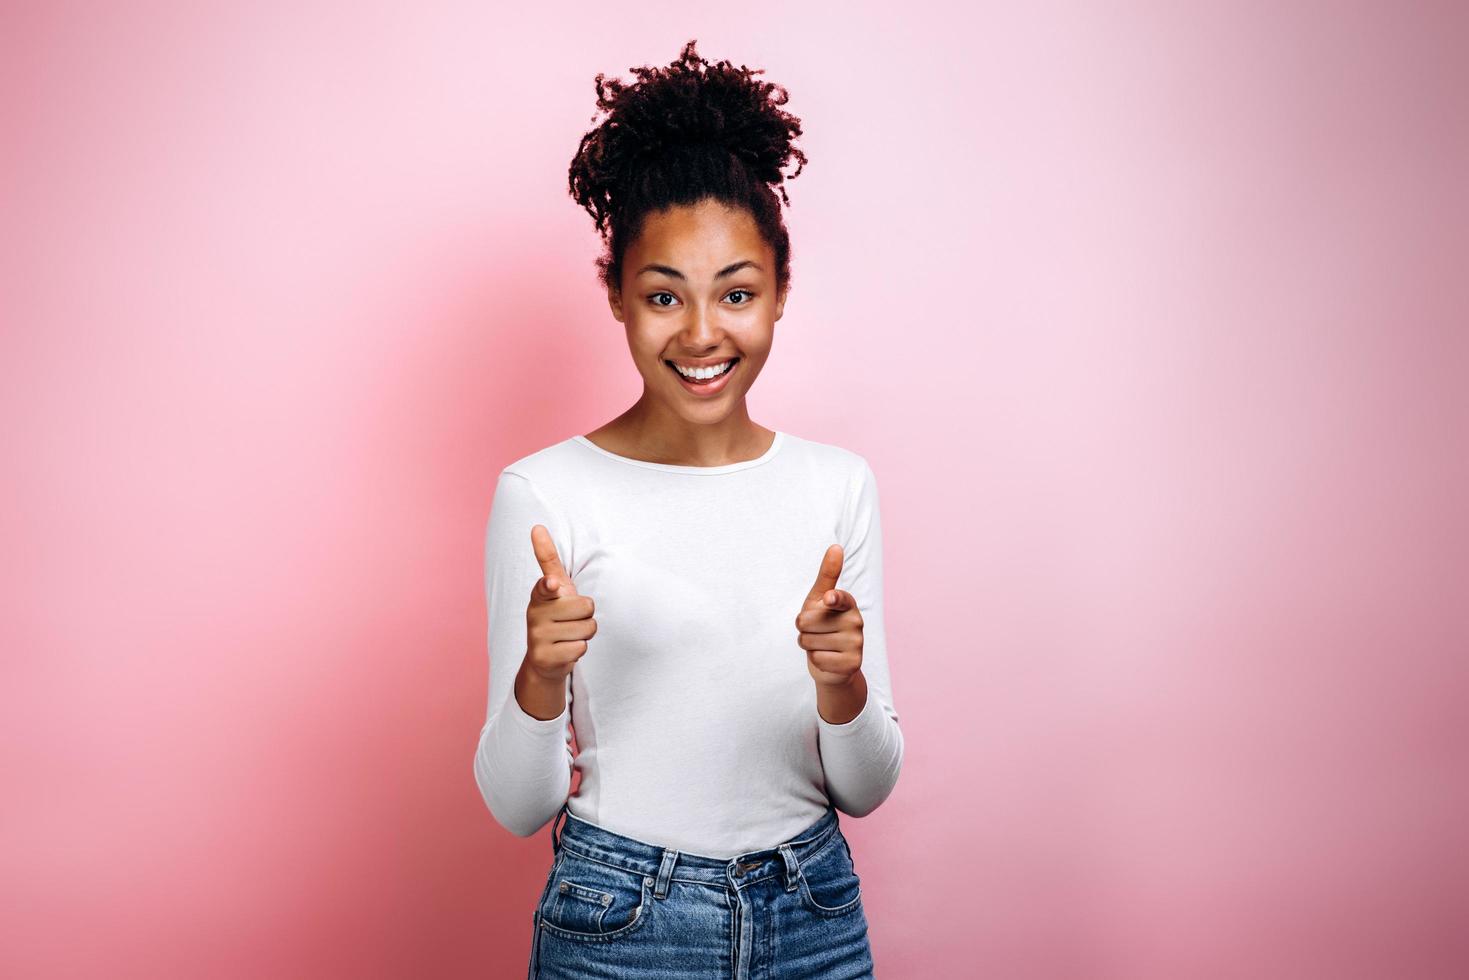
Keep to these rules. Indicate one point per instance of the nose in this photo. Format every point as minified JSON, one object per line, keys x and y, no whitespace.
{"x":701,"y":332}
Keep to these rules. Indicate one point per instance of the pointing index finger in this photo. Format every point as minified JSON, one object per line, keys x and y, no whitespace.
{"x":546,"y":556}
{"x":826,"y":577}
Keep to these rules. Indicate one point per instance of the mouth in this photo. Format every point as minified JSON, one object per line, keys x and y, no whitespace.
{"x":708,"y":386}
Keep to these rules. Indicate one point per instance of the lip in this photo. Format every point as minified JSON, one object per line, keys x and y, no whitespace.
{"x":712,"y":388}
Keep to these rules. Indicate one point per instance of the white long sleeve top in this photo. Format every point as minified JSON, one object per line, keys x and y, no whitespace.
{"x":693,"y":711}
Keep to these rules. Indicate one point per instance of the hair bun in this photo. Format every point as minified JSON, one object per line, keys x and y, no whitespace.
{"x":704,"y":103}
{"x":679,"y":134}
{"x":680,"y":111}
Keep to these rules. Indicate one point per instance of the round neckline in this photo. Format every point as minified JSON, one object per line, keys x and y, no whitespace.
{"x":775,"y":445}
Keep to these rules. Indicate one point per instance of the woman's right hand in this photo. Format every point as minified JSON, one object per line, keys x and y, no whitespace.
{"x":558,"y":620}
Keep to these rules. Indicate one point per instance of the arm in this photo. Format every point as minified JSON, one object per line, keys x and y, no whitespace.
{"x":522,"y":763}
{"x":863,"y":756}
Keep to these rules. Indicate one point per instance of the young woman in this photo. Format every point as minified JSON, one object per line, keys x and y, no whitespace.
{"x":699,"y":597}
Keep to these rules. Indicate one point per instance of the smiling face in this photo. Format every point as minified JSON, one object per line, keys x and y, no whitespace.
{"x":698,"y":289}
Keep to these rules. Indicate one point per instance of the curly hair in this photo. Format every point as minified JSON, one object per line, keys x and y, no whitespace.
{"x":679,"y":135}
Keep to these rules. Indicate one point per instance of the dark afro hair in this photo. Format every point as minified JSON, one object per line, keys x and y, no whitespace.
{"x":679,"y":135}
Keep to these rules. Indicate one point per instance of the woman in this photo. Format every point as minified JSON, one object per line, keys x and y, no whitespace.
{"x":698,"y":596}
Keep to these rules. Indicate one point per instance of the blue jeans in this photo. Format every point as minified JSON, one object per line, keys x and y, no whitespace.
{"x":615,"y":907}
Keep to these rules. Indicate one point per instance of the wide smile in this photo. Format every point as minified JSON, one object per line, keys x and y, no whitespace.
{"x":706,"y":389}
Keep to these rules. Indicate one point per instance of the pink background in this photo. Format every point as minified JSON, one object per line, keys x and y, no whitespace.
{"x":1150,"y":320}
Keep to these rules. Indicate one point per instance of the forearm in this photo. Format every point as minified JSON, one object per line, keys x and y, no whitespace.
{"x":523,"y":767}
{"x":862,"y":756}
{"x":839,"y":704}
{"x":538,"y":697}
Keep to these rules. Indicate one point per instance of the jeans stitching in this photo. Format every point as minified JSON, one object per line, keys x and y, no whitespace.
{"x":805,"y":887}
{"x":639,"y":917}
{"x":826,"y":837}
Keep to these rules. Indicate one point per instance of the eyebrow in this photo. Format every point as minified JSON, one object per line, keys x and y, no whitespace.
{"x":728,"y":270}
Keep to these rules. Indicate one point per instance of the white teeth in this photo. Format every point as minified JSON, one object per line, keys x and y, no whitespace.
{"x":703,"y":372}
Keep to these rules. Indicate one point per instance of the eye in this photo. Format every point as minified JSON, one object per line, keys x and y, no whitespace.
{"x":655,"y":300}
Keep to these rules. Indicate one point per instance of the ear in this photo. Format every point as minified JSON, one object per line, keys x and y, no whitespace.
{"x":780,"y":301}
{"x":614,"y":301}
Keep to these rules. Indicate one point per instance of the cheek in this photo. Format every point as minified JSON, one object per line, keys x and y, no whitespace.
{"x":755,"y":351}
{"x":646,"y":346}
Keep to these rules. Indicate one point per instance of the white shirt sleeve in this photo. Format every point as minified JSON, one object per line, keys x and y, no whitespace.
{"x":862,"y":758}
{"x":521,"y":763}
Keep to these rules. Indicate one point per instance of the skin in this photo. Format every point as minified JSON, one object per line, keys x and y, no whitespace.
{"x":697,"y":315}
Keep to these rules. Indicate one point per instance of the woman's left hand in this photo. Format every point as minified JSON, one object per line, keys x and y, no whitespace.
{"x":829,"y":626}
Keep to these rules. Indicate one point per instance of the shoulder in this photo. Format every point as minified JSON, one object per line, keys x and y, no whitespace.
{"x":544,"y":477}
{"x":549,"y":466}
{"x":838,"y":462}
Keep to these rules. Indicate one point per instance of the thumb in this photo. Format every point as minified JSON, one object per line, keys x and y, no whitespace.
{"x":826,"y":577}
{"x":554,"y":580}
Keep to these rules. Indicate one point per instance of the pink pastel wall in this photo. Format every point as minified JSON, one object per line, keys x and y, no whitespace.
{"x":1151,"y":320}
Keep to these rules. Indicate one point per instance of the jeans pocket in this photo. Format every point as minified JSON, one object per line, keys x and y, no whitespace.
{"x":589,"y":900}
{"x":828,"y":879}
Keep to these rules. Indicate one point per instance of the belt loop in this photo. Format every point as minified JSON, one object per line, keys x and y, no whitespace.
{"x":792,"y":867}
{"x":665,"y":872}
{"x":555,"y":837}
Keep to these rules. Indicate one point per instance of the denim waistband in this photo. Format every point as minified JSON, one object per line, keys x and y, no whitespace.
{"x":618,"y":850}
